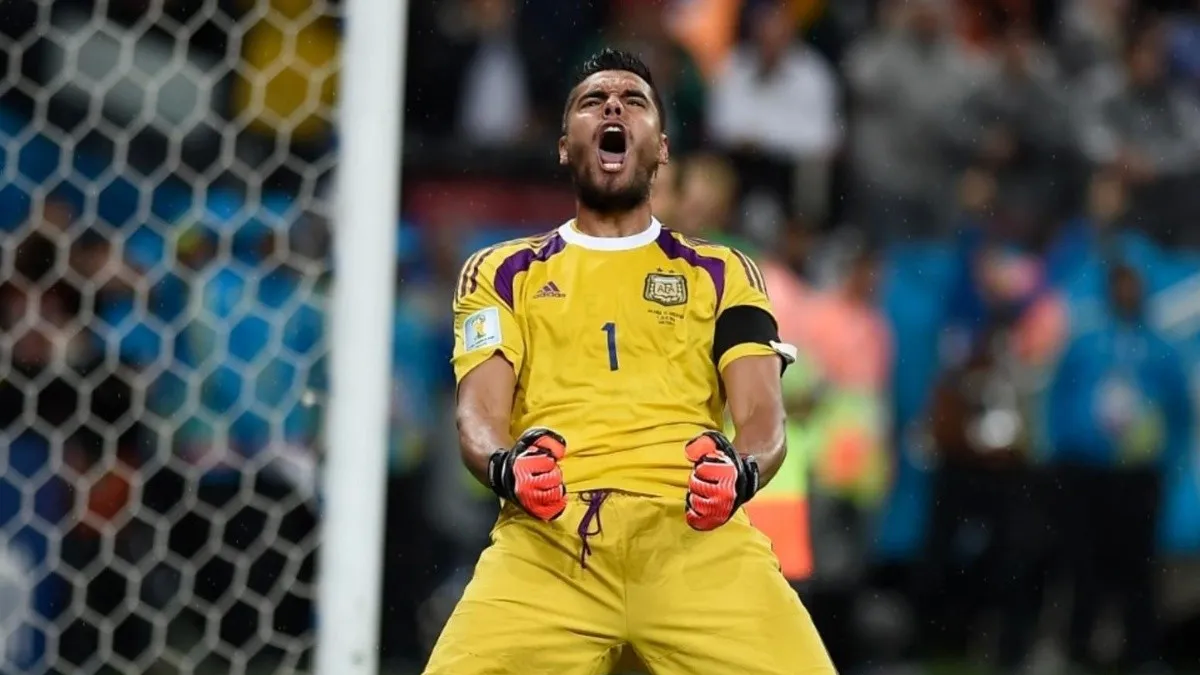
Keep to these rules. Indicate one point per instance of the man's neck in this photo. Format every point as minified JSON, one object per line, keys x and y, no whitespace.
{"x":623,"y":224}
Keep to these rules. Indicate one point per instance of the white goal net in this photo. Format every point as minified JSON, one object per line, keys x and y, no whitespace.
{"x":163,"y":260}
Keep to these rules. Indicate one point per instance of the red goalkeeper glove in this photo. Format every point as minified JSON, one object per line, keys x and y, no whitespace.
{"x":528,"y":473}
{"x":721,"y":480}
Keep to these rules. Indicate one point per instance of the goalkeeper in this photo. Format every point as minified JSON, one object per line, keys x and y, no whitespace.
{"x":594,"y":364}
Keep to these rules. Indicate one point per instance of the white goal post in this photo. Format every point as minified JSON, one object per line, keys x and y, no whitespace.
{"x":193,"y":392}
{"x":363,"y":295}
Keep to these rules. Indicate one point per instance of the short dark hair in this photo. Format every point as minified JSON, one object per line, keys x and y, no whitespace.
{"x":614,"y":59}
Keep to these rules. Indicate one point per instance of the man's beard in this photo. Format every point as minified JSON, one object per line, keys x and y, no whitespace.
{"x":595,"y":197}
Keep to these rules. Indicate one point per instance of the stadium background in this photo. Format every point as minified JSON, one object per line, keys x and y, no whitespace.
{"x":164,"y":261}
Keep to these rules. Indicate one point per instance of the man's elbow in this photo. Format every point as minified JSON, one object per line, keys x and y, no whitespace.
{"x":781,"y":445}
{"x":471,"y":422}
{"x":466,"y":407}
{"x":767,"y":441}
{"x":774,"y":456}
{"x":461,"y":425}
{"x":771,"y":426}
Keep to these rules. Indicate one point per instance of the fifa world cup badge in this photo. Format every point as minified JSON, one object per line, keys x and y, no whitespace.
{"x":482,"y":329}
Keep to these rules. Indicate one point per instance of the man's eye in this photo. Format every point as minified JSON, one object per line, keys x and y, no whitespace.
{"x":637,"y":101}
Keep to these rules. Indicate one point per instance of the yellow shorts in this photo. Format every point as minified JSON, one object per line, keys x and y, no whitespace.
{"x":642,"y":587}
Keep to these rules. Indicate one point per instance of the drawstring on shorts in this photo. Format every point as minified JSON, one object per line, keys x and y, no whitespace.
{"x":594,"y":499}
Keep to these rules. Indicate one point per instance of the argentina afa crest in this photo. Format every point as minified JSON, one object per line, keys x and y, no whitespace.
{"x":668,"y":290}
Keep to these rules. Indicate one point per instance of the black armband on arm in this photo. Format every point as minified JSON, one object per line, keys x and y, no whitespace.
{"x":742,"y":324}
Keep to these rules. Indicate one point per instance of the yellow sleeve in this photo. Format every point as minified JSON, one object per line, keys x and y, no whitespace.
{"x":485,"y":322}
{"x":745,"y":287}
{"x":744,"y":284}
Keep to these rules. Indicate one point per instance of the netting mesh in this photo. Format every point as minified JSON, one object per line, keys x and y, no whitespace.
{"x":162,"y":274}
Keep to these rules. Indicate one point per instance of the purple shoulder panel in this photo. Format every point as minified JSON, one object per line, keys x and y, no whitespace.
{"x":521,"y":261}
{"x":677,"y":250}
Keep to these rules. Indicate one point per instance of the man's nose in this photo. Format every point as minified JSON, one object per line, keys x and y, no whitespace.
{"x":613,"y":107}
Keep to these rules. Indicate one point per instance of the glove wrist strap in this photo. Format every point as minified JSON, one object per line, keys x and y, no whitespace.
{"x":750,"y":468}
{"x":497,"y":464}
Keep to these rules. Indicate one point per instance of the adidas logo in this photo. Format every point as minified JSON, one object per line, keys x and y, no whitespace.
{"x":550,"y":290}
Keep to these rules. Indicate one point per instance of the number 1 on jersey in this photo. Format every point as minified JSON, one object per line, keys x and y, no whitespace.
{"x":610,"y":329}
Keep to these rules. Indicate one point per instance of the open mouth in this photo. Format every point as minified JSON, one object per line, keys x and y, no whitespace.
{"x":612,"y":147}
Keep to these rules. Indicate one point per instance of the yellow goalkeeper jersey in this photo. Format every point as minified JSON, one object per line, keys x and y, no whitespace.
{"x":612,"y":341}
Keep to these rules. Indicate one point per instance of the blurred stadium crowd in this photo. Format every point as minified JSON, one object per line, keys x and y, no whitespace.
{"x":977,"y":220}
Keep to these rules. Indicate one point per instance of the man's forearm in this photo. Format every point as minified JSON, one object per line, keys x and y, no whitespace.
{"x":479,"y":436}
{"x":762,"y":435}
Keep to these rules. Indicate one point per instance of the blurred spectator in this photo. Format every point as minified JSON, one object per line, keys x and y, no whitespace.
{"x":1092,"y":33}
{"x":706,"y":28}
{"x":839,"y":327}
{"x":475,"y":76}
{"x":987,"y":545}
{"x":1097,"y":235}
{"x":782,"y":511}
{"x":1120,"y":416}
{"x":999,"y":283}
{"x":707,"y":188}
{"x":774,"y":107}
{"x":909,"y":80}
{"x":981,"y":22}
{"x":1149,"y":129}
{"x":1184,"y":45}
{"x":976,"y":196}
{"x":551,"y":33}
{"x":495,"y":105}
{"x":836,"y":395}
{"x":637,"y":26}
{"x":664,"y":195}
{"x":1015,"y":125}
{"x":709,"y":28}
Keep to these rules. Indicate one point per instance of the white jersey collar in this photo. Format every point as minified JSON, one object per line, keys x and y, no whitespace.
{"x":573,"y":236}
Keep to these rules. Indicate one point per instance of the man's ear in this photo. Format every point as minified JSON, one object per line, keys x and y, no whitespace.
{"x":562,"y":150}
{"x":664,"y":149}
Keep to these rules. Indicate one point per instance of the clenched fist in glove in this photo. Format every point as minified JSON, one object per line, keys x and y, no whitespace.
{"x":529,"y":475}
{"x":721,"y":480}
